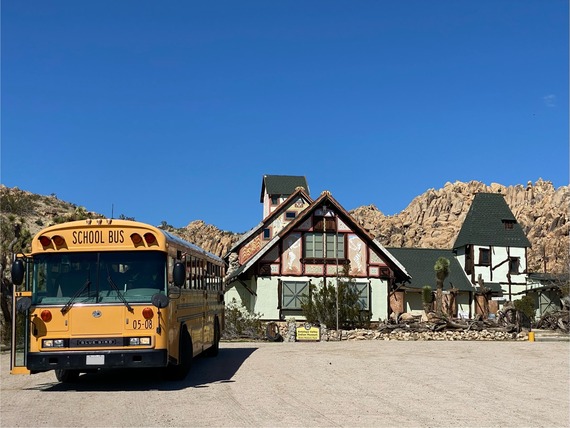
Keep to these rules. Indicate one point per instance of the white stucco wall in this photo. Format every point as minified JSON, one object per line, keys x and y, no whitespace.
{"x":267,"y":299}
{"x":378,"y":299}
{"x":496,"y":273}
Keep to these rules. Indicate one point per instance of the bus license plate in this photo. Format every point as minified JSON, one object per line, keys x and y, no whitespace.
{"x":95,"y":360}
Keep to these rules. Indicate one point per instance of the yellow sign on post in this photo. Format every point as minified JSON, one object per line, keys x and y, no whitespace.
{"x":308,"y":333}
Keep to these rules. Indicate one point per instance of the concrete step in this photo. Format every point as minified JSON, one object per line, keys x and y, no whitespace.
{"x":551,"y":336}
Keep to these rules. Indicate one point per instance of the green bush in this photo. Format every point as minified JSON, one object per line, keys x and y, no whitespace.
{"x":240,"y":323}
{"x":526,"y":306}
{"x":320,"y":307}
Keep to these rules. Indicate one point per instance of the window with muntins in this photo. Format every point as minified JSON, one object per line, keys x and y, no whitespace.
{"x":293,"y":293}
{"x":323,"y":245}
{"x":364,"y":295}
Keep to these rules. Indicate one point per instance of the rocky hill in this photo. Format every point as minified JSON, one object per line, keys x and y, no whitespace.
{"x":431,"y":220}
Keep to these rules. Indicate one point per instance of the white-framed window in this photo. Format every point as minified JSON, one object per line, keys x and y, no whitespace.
{"x":363,"y":295}
{"x":323,"y":245}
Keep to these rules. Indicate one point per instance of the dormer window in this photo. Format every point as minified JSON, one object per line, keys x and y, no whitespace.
{"x":509,"y":224}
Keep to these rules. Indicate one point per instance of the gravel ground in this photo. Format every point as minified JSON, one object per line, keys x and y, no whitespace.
{"x":366,"y":383}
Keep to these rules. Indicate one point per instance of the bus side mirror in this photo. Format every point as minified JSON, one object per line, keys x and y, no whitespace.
{"x":160,"y":300}
{"x":18,"y":271}
{"x":179,"y":274}
{"x":23,"y":304}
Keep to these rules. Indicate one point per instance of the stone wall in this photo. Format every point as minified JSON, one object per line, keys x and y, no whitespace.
{"x":287,"y":331}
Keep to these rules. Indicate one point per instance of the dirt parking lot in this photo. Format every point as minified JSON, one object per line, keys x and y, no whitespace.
{"x":368,"y":383}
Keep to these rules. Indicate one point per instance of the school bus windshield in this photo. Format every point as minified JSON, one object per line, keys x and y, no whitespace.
{"x":98,"y":277}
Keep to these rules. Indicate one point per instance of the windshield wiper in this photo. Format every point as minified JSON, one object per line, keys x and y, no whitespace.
{"x":119,"y":294}
{"x":71,"y":301}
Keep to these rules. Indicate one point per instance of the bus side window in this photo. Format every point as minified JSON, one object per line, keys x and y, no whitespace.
{"x":188,"y":264}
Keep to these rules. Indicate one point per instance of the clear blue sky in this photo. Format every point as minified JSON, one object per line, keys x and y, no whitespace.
{"x":174,"y":110}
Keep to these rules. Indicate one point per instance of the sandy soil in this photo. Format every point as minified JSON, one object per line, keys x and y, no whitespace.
{"x":369,"y":383}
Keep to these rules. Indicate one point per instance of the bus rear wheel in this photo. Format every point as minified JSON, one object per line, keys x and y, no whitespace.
{"x":215,"y":348}
{"x":67,"y":375}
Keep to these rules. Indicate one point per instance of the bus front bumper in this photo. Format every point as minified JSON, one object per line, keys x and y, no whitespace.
{"x":82,"y":360}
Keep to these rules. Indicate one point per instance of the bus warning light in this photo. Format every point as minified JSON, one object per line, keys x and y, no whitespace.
{"x":147,"y":313}
{"x":46,"y":315}
{"x":149,"y":238}
{"x":45,"y":241}
{"x":58,"y":241}
{"x":136,"y":238}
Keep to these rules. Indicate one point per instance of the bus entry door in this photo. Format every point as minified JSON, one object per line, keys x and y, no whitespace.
{"x":20,"y":332}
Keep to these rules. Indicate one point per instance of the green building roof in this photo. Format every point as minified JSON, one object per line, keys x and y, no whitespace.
{"x":491,"y":222}
{"x":283,"y":185}
{"x":420,"y":262}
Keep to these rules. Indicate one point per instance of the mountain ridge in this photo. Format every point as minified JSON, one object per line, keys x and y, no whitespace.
{"x":431,"y":220}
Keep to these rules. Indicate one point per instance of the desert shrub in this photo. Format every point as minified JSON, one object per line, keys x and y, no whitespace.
{"x":526,"y":306}
{"x":320,"y":307}
{"x":241,"y":323}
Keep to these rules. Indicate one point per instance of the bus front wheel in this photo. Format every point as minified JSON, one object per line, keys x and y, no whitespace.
{"x":66,"y":375}
{"x":180,"y":370}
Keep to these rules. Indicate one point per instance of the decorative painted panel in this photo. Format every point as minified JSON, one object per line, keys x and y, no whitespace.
{"x":274,"y":269}
{"x":357,"y":255}
{"x":292,"y":254}
{"x":250,"y":249}
{"x":314,"y":269}
{"x":332,"y":270}
{"x":374,"y":270}
{"x":375,"y":258}
{"x":272,"y":255}
{"x":301,"y":203}
{"x":342,"y":227}
{"x":278,"y":224}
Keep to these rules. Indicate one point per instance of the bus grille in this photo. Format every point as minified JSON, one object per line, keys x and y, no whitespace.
{"x":103,"y":342}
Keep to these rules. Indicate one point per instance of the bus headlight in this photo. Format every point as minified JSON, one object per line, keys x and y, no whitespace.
{"x":52,"y":343}
{"x":136,"y":341}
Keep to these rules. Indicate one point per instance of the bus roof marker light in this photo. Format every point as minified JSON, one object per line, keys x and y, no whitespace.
{"x":136,"y":238}
{"x":149,"y":238}
{"x":59,"y":241}
{"x":45,"y":241}
{"x":88,"y":221}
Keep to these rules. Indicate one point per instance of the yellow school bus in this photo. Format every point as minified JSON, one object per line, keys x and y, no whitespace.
{"x":106,"y":293}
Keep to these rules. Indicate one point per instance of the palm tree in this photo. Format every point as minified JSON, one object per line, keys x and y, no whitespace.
{"x":441,"y":272}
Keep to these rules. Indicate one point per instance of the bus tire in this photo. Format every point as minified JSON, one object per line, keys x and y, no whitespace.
{"x":67,"y":375}
{"x":180,"y":371}
{"x":215,"y":348}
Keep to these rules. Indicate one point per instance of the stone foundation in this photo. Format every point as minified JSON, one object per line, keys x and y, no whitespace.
{"x":287,"y":330}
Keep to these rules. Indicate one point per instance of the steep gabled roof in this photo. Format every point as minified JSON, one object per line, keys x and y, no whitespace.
{"x":329,"y":201}
{"x":420,"y":263}
{"x":282,"y":185}
{"x":485,"y":224}
{"x":267,"y":221}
